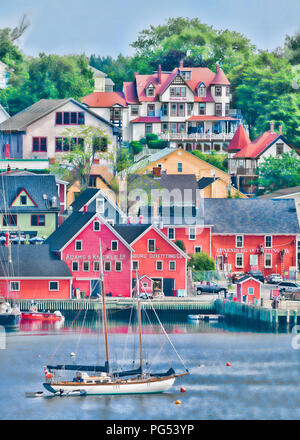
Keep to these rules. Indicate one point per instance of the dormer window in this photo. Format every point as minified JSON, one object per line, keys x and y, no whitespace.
{"x":186,"y":75}
{"x":202,"y":90}
{"x":150,"y":91}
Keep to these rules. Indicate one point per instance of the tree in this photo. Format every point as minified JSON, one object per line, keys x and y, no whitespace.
{"x":214,"y":158}
{"x":202,"y":262}
{"x":278,"y":172}
{"x":180,"y":244}
{"x":76,"y":164}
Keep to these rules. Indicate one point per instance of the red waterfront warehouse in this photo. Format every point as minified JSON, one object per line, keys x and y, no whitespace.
{"x":157,"y":257}
{"x":78,"y":242}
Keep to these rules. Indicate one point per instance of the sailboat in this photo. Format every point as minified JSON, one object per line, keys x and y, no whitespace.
{"x":95,"y":379}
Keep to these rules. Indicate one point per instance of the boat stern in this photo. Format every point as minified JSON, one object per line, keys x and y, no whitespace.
{"x":49,"y":387}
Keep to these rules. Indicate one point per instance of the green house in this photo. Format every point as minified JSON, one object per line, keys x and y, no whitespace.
{"x":29,"y":204}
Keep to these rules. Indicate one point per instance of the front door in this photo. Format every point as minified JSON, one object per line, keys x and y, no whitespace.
{"x":157,"y":286}
{"x":220,"y":262}
{"x":169,"y":286}
{"x":95,"y":287}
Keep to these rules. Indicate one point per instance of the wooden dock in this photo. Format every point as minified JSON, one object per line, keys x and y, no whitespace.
{"x":183,"y":305}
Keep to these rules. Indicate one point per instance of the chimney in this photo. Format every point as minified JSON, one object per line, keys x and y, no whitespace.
{"x":96,"y":161}
{"x":272,"y":126}
{"x":159,"y":74}
{"x":156,"y":172}
{"x":280,"y":129}
{"x":181,"y":64}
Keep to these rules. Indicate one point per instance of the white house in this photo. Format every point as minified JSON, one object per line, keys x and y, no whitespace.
{"x":189,"y":107}
{"x":245,"y":156}
{"x":36,"y":132}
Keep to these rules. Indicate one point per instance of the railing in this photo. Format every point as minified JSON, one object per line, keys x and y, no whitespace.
{"x":197,"y":136}
{"x":246,"y":171}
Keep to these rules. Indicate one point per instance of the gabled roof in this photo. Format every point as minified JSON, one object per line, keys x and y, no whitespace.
{"x":38,"y":110}
{"x":97,"y":72}
{"x":240,"y":140}
{"x":148,"y":160}
{"x":40,"y":187}
{"x":104,"y":99}
{"x":131,"y":231}
{"x":206,"y":181}
{"x":246,"y":278}
{"x":255,"y":148}
{"x":129,"y":91}
{"x":281,"y":193}
{"x":71,"y":227}
{"x":32,"y":261}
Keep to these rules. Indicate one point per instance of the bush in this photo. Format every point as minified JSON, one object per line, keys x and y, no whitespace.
{"x":151,"y":137}
{"x":136,"y":147}
{"x":157,"y":144}
{"x":202,"y":261}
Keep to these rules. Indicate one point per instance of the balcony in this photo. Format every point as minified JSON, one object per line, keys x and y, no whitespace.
{"x":197,"y":136}
{"x":245,"y":171}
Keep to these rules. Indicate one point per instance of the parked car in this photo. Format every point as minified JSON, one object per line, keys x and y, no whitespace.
{"x":257,"y":274}
{"x":274,"y":278}
{"x":146,"y":295}
{"x":288,"y":286}
{"x":211,"y":287}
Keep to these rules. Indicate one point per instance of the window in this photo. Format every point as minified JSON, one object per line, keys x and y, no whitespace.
{"x":202,"y":108}
{"x":279,"y":149}
{"x":38,"y":220}
{"x":39,"y":144}
{"x":197,"y":249}
{"x":118,"y":266}
{"x":69,"y":118}
{"x":78,"y":245}
{"x":178,"y":91}
{"x":218,"y":109}
{"x":10,"y":220}
{"x":151,"y":245}
{"x":253,"y":260}
{"x":250,"y":290}
{"x":107,"y":266}
{"x":150,"y":90}
{"x":202,"y":91}
{"x":96,"y":266}
{"x":159,"y":265}
{"x":23,"y":200}
{"x":239,"y":241}
{"x":171,"y":233}
{"x":15,"y":286}
{"x":67,"y":144}
{"x":226,"y":109}
{"x":164,"y":110}
{"x":268,"y":241}
{"x":148,"y":128}
{"x":150,"y":110}
{"x":75,"y":266}
{"x":239,"y":260}
{"x":54,"y":285}
{"x":96,"y":225}
{"x":172,"y":265}
{"x":114,"y":245}
{"x":218,"y":91}
{"x":186,"y":75}
{"x":181,"y":109}
{"x":86,"y":266}
{"x":227,"y":91}
{"x":268,"y":260}
{"x":135,"y":265}
{"x":100,"y":206}
{"x":93,"y":181}
{"x":189,"y":108}
{"x":192,"y":234}
{"x":179,"y":167}
{"x":134,"y":110}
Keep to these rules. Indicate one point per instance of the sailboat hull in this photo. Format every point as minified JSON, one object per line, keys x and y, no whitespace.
{"x":157,"y":385}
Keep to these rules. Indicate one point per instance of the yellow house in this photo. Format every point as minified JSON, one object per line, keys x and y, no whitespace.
{"x":213,"y":182}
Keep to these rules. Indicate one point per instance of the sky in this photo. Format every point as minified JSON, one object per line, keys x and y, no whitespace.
{"x":108,"y":27}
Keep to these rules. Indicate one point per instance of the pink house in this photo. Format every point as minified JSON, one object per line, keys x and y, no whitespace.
{"x":248,"y":289}
{"x":78,"y":240}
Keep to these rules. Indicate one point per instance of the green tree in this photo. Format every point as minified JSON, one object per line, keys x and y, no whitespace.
{"x":76,"y":164}
{"x":180,"y":244}
{"x":214,"y":158}
{"x":201,"y":262}
{"x":278,"y":172}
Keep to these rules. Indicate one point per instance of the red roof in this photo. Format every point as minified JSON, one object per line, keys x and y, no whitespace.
{"x":239,"y":140}
{"x":130,"y":93}
{"x":104,"y":99}
{"x":258,"y":146}
{"x":211,"y":118}
{"x":220,"y":78}
{"x":147,"y":119}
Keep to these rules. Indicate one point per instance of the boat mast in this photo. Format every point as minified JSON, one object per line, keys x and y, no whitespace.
{"x":140,"y":321}
{"x":104,"y":308}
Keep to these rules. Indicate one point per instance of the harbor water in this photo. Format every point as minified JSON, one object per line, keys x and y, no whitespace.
{"x":235,"y":374}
